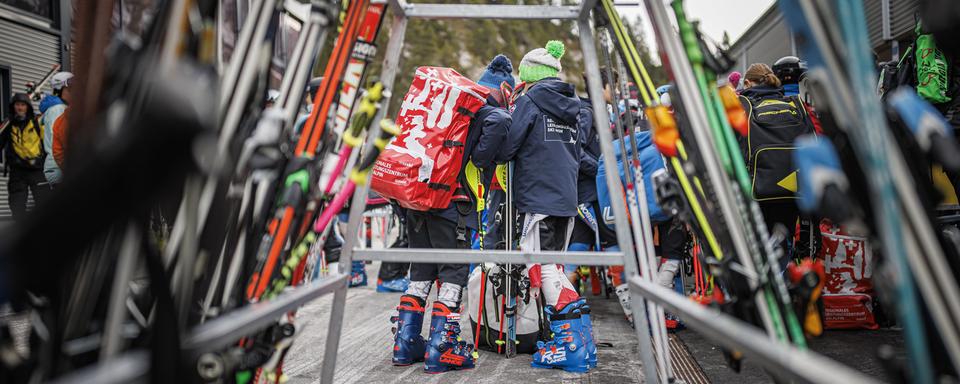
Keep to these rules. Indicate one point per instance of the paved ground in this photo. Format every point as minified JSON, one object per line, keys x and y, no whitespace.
{"x":365,"y":348}
{"x":366,"y":344}
{"x":855,"y":348}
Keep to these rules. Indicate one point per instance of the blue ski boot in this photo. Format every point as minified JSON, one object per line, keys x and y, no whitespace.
{"x":358,"y":275}
{"x":587,"y":330}
{"x":395,"y":285}
{"x":445,"y":350}
{"x":408,"y":344}
{"x":567,"y":350}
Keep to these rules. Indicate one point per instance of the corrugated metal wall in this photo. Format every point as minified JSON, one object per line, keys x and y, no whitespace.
{"x":902,"y":16}
{"x":770,"y":38}
{"x":772,"y":44}
{"x":30,"y":53}
{"x":874,"y":11}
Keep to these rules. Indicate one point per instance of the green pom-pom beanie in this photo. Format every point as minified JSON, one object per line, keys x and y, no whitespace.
{"x":541,"y":63}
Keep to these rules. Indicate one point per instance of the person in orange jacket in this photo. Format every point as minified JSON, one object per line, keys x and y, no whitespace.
{"x":60,"y":138}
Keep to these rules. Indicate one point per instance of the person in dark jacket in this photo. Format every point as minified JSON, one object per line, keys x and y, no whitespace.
{"x":449,"y":228}
{"x":22,"y":144}
{"x":770,"y":166}
{"x":584,"y":236}
{"x":544,"y":145}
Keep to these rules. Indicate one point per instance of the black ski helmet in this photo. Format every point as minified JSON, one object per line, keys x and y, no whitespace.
{"x":790,"y":69}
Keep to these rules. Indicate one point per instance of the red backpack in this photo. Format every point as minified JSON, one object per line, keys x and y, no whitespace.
{"x":420,"y":167}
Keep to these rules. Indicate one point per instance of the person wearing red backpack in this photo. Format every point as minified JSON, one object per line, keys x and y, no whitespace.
{"x":544,"y":145}
{"x":449,"y":228}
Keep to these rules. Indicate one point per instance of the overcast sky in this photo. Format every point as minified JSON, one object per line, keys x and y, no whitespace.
{"x":716,"y":16}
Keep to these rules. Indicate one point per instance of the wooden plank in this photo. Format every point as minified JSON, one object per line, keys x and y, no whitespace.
{"x":366,"y":347}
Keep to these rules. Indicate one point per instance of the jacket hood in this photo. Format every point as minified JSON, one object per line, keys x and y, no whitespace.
{"x":556,"y":98}
{"x":22,"y":97}
{"x":762,"y":92}
{"x":643,"y":138}
{"x":586,"y":103}
{"x":49,"y":101}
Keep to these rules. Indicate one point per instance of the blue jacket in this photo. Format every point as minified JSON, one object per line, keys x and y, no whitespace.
{"x":485,"y":136}
{"x":650,"y":162}
{"x":590,"y":147}
{"x":544,"y":143}
{"x":791,"y":89}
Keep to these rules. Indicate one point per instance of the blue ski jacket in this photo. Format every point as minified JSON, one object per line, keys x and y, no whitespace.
{"x":544,"y":142}
{"x":791,"y":89}
{"x":650,"y":162}
{"x":590,"y":147}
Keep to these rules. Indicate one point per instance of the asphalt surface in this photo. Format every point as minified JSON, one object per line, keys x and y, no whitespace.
{"x":365,"y":349}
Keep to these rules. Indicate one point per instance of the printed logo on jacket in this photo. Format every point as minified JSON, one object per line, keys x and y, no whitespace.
{"x":556,"y":130}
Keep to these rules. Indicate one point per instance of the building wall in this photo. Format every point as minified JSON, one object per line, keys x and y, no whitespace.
{"x":769,"y":38}
{"x":29,"y":47}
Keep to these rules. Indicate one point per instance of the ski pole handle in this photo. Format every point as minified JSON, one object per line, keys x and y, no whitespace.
{"x":735,"y":113}
{"x":369,"y":104}
{"x":930,"y":129}
{"x":665,"y":131}
{"x":388,"y":129}
{"x":823,"y":185}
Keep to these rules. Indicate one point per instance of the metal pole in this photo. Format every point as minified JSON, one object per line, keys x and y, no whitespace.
{"x":462,"y":256}
{"x":492,"y":11}
{"x":670,"y":41}
{"x":618,"y":204}
{"x":333,"y":332}
{"x":510,"y":349}
{"x":112,"y":336}
{"x":785,"y":361}
{"x":358,"y":203}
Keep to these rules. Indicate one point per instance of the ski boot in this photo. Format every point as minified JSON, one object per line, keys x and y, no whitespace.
{"x":445,"y":350}
{"x":668,"y":271}
{"x":358,"y":274}
{"x":395,"y":285}
{"x":567,"y":350}
{"x":623,"y":294}
{"x":591,"y":344}
{"x":673,"y":323}
{"x":408,"y":344}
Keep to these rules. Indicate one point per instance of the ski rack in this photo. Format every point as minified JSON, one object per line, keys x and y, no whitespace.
{"x":732,"y":333}
{"x":402,"y":13}
{"x":784,"y":361}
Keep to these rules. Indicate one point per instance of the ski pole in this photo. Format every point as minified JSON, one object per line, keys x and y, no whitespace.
{"x":483,"y":286}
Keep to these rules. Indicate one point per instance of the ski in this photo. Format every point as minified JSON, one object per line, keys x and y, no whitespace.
{"x":825,"y":30}
{"x":300,"y":171}
{"x":34,"y":90}
{"x":510,"y":296}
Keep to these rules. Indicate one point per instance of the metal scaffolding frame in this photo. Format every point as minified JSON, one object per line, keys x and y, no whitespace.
{"x":784,"y":361}
{"x":403,"y":12}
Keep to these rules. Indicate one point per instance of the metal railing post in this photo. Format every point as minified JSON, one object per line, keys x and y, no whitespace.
{"x":334,"y":328}
{"x":617,"y":202}
{"x":358,"y":203}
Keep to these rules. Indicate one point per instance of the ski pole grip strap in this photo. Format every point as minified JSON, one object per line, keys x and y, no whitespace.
{"x":465,"y":111}
{"x":565,"y":316}
{"x":452,"y":143}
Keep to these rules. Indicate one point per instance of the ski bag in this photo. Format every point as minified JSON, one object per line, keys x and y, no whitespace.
{"x":420,"y":166}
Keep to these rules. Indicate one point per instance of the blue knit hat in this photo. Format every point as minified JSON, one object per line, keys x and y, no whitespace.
{"x":499,"y":70}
